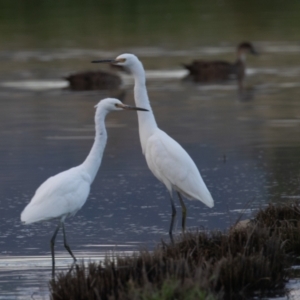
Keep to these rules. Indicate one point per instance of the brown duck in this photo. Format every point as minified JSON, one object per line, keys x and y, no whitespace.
{"x":218,"y":70}
{"x":94,"y":80}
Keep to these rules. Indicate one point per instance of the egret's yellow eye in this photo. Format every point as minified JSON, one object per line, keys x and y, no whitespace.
{"x":121,"y":60}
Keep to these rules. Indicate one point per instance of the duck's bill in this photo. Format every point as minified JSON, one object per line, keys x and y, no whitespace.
{"x":129,"y":107}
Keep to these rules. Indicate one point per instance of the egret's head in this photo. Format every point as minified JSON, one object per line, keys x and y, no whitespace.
{"x":111,"y":104}
{"x":127,"y":61}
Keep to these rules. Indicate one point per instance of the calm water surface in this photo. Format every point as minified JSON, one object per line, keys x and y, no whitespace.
{"x":247,"y":147}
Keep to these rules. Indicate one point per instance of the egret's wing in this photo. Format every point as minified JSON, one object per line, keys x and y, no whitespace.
{"x":62,"y":194}
{"x":171,"y":164}
{"x":163,"y":162}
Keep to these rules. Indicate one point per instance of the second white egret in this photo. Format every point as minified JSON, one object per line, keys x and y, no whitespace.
{"x":64,"y":194}
{"x":167,"y":160}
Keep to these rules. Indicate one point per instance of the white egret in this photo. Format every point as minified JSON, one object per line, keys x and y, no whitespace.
{"x":64,"y":194}
{"x":167,"y":160}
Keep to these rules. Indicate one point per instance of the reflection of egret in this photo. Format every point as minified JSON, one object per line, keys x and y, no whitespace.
{"x":167,"y":160}
{"x":64,"y":194}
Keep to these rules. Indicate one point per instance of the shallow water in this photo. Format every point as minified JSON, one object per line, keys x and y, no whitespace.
{"x":247,"y":147}
{"x":247,"y":150}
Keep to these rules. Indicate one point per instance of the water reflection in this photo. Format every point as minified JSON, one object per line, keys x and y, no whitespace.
{"x":24,"y":277}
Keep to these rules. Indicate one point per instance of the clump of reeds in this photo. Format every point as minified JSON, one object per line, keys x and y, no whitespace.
{"x":197,"y":266}
{"x":284,"y":221}
{"x":241,"y":261}
{"x":142,"y":276}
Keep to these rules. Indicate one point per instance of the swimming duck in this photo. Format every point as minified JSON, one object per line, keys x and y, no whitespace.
{"x":94,"y":80}
{"x":218,"y":70}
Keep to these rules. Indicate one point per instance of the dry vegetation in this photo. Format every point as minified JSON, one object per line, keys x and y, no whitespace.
{"x":235,"y":265}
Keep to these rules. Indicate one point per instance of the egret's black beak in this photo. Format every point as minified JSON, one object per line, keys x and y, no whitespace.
{"x":112,"y":61}
{"x":129,"y":107}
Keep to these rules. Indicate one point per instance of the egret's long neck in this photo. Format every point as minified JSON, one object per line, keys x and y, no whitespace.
{"x":147,"y":123}
{"x":93,"y":160}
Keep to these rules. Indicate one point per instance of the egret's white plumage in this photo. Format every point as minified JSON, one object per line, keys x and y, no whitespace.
{"x":171,"y":164}
{"x":71,"y":190}
{"x":64,"y":194}
{"x":168,"y":161}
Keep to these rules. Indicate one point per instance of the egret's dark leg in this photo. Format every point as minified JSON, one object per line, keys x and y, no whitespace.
{"x":66,"y":244}
{"x":52,"y":242}
{"x":183,"y":211}
{"x":173,"y":218}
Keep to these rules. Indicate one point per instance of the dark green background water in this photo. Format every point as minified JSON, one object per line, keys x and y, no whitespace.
{"x":117,"y":24}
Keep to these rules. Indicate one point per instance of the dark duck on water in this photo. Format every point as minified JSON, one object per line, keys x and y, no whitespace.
{"x":218,"y":70}
{"x":94,"y":80}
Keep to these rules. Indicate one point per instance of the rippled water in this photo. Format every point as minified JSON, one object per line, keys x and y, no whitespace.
{"x":247,"y":150}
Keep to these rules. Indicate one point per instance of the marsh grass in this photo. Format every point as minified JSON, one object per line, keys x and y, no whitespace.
{"x":237,"y":264}
{"x":284,"y":221}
